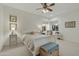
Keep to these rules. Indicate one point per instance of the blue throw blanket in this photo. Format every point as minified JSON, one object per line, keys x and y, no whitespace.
{"x":50,"y":46}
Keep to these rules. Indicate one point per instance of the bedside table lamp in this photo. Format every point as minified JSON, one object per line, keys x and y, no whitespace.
{"x":13,"y":35}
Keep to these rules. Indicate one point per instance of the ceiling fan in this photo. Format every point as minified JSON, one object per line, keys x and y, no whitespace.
{"x":46,"y":7}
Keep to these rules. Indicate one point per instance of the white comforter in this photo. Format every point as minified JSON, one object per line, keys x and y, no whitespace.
{"x":33,"y":42}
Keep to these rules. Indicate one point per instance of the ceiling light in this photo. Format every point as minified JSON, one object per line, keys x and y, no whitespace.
{"x":45,"y":11}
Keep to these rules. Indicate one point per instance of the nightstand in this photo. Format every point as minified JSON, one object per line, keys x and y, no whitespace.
{"x":13,"y":40}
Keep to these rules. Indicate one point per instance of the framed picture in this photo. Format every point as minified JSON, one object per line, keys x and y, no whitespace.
{"x":13,"y":26}
{"x":13,"y":18}
{"x":55,"y":28}
{"x":70,"y":24}
{"x":43,"y":28}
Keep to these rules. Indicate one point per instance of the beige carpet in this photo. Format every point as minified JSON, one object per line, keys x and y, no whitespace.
{"x":68,"y":48}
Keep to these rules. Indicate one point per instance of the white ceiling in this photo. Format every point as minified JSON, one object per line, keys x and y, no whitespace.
{"x":58,"y":9}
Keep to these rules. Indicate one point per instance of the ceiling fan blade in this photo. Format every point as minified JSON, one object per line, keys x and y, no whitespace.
{"x":52,"y":4}
{"x":49,"y":9}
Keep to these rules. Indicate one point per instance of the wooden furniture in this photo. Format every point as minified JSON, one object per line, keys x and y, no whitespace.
{"x":12,"y":40}
{"x":49,"y":49}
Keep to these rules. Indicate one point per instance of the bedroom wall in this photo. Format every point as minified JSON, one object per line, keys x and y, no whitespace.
{"x":31,"y":22}
{"x":25,"y":22}
{"x":70,"y":34}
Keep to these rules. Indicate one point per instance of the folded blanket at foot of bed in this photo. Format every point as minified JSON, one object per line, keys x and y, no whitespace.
{"x":49,"y":49}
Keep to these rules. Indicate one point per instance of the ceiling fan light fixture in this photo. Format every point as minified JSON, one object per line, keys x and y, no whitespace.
{"x":45,"y":11}
{"x":46,"y":7}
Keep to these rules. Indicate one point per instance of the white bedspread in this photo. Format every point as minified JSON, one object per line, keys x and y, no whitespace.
{"x":33,"y":42}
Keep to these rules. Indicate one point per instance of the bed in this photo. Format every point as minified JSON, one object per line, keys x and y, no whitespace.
{"x":33,"y":42}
